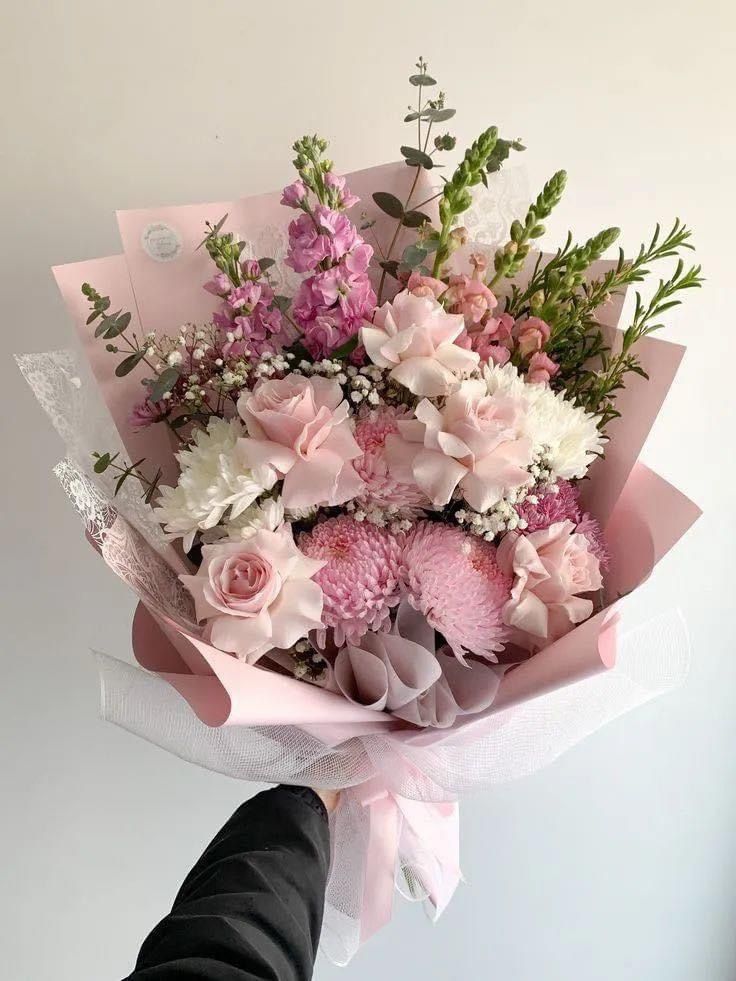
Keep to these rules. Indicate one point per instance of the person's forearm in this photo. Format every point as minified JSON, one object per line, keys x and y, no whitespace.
{"x":251,"y":908}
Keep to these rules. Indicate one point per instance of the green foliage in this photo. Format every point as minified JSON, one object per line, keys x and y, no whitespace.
{"x":163,"y":384}
{"x":560,"y":293}
{"x":312,"y":165}
{"x":105,"y":461}
{"x":509,"y":260}
{"x":456,"y":197}
{"x":501,"y":153}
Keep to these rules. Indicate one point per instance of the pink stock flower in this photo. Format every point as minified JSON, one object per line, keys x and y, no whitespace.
{"x":421,"y":285}
{"x":541,"y":368}
{"x":360,"y":575}
{"x":245,"y":296}
{"x":219,"y":285}
{"x":330,"y":306}
{"x":382,"y":489}
{"x":551,"y":568}
{"x":257,"y":594}
{"x":342,"y":234}
{"x":308,"y":246}
{"x":144,"y":414}
{"x":332,"y":303}
{"x":472,"y":444}
{"x":299,"y":429}
{"x":531,"y":335}
{"x":251,"y":268}
{"x":413,"y":337}
{"x":345,"y":199}
{"x":454,"y":579}
{"x":293,"y":195}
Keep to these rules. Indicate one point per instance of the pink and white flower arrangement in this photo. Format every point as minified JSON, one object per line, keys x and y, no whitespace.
{"x":372,"y":475}
{"x":378,"y":469}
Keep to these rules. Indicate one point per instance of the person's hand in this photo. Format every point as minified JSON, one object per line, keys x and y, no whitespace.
{"x":328,"y":797}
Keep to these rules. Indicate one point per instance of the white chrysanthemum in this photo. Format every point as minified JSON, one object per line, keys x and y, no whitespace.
{"x":569,"y":435}
{"x":268,"y":514}
{"x":212,"y":480}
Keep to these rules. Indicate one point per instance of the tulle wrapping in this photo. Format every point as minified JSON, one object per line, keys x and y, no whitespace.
{"x":397,"y":822}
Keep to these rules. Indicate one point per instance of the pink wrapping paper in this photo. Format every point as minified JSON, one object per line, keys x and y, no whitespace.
{"x":168,"y":290}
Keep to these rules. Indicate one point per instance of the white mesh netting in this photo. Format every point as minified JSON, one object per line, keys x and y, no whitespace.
{"x":512,"y":743}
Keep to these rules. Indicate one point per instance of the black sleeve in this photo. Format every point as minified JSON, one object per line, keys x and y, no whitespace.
{"x":251,"y":908}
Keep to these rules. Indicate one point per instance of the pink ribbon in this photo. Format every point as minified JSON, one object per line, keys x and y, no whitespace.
{"x":423,"y":834}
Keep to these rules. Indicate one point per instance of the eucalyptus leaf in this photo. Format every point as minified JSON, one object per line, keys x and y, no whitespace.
{"x":266,"y":263}
{"x":102,"y":463}
{"x":413,"y":255}
{"x":120,"y":323}
{"x":414,"y":219}
{"x":93,"y":316}
{"x":103,"y":325}
{"x":163,"y":384}
{"x":438,"y":115}
{"x":129,"y":363}
{"x":390,"y":266}
{"x":422,"y":79}
{"x":389,"y":203}
{"x":417,"y":158}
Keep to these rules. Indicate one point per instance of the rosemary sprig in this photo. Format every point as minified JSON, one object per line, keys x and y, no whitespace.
{"x":596,"y":390}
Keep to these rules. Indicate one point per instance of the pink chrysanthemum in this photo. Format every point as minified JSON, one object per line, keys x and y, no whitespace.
{"x":381,"y":489}
{"x":564,"y":505}
{"x":454,"y":580}
{"x":589,"y":527}
{"x":361,"y":580}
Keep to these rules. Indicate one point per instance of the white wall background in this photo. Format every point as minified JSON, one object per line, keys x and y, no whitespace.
{"x":619,"y":860}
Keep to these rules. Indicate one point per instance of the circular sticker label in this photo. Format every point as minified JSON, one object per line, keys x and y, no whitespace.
{"x":161,"y":242}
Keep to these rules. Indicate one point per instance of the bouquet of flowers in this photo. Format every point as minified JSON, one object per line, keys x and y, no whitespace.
{"x":370,"y":466}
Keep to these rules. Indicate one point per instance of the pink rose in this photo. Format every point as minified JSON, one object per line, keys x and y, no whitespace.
{"x":551,"y":568}
{"x":299,"y":429}
{"x":256,"y":595}
{"x":532,"y":334}
{"x":414,"y":337}
{"x":541,"y":368}
{"x":473,"y":444}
